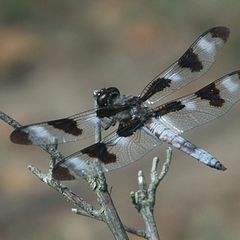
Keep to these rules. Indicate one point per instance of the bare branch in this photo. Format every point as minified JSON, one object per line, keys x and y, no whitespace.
{"x":144,"y":198}
{"x":157,"y":178}
{"x":84,"y":208}
{"x":10,"y":121}
{"x":64,"y":191}
{"x":98,"y":185}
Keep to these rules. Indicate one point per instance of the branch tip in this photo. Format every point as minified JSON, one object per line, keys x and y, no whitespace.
{"x":141,"y":180}
{"x":155,"y":163}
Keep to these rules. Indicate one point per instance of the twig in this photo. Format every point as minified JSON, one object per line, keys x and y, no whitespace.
{"x":139,"y":233}
{"x":157,"y":178}
{"x":64,"y":191}
{"x":144,"y":198}
{"x":10,"y":121}
{"x":84,"y":208}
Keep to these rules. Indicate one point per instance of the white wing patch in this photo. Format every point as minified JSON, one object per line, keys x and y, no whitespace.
{"x":231,"y":84}
{"x":39,"y":132}
{"x":190,"y":105}
{"x":207,"y":45}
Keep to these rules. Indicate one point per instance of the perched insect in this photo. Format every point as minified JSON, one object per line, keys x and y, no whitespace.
{"x":140,"y":126}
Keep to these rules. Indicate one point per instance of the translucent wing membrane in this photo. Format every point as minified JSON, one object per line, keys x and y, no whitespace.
{"x":140,"y":129}
{"x":193,"y":64}
{"x":129,"y":149}
{"x":172,"y":118}
{"x":193,"y":110}
{"x":73,"y":128}
{"x":114,"y":152}
{"x":202,"y":106}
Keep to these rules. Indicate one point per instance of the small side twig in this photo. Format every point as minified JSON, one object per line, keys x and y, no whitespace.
{"x":157,"y":178}
{"x":69,"y":195}
{"x":144,"y":198}
{"x":139,"y":233}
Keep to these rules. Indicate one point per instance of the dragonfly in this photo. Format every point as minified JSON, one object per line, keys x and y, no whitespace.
{"x":141,"y":123}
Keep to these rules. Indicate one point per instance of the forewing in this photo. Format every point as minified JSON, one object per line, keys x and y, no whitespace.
{"x":114,"y":152}
{"x":190,"y":66}
{"x":73,"y":128}
{"x":202,"y":106}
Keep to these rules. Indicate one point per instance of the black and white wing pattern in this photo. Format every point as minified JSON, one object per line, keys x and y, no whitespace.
{"x":193,"y":110}
{"x":204,"y":105}
{"x":76,"y":127}
{"x":171,"y":119}
{"x":190,"y":66}
{"x":113,"y":151}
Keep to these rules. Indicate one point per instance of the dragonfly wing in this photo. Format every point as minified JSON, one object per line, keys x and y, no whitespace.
{"x":63,"y":130}
{"x":189,"y":67}
{"x":113,"y":152}
{"x":204,"y":105}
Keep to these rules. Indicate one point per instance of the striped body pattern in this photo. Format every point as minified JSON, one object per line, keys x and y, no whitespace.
{"x":167,"y":135}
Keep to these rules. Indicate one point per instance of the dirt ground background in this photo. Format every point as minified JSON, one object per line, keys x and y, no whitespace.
{"x":53,"y":54}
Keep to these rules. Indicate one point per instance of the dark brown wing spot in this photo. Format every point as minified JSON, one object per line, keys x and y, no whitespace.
{"x":62,"y":173}
{"x":220,"y":32}
{"x":20,"y":137}
{"x":155,"y":86}
{"x":190,"y":60}
{"x":168,"y":108}
{"x":100,"y":151}
{"x":67,"y":125}
{"x":212,"y":94}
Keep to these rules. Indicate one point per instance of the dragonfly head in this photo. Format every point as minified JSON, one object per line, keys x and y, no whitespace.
{"x":106,"y":96}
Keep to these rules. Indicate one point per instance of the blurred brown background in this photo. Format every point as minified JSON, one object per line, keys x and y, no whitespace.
{"x":53,"y":54}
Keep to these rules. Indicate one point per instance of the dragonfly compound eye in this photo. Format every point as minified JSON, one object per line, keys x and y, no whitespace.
{"x":106,"y":96}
